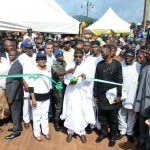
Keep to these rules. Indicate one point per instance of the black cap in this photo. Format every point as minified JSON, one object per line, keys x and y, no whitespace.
{"x":129,"y":51}
{"x":95,"y":43}
{"x":41,"y":54}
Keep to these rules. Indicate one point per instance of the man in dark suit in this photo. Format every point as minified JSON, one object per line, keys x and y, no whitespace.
{"x":14,"y":92}
{"x":109,"y":70}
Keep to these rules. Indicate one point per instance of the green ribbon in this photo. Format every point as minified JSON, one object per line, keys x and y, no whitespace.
{"x":104,"y":81}
{"x":58,"y":85}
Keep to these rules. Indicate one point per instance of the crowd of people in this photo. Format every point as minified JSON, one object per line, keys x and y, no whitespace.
{"x":105,"y":85}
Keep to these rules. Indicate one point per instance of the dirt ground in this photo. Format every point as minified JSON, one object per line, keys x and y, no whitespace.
{"x":58,"y":142}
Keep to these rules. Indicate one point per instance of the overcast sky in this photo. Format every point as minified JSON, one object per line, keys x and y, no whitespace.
{"x":130,"y":10}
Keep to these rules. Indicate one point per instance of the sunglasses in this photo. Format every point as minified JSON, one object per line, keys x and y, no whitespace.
{"x":41,"y":58}
{"x":78,"y":56}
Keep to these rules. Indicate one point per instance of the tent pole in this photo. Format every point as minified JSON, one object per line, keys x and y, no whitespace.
{"x":146,"y":12}
{"x":80,"y":29}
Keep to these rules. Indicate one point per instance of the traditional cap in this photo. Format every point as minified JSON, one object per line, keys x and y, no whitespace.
{"x":78,"y":39}
{"x":66,"y":41}
{"x":100,"y":39}
{"x":102,"y":43}
{"x":130,"y":51}
{"x":96,"y":43}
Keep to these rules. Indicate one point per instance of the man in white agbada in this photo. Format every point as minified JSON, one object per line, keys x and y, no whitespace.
{"x":77,"y":113}
{"x":127,"y":116}
{"x":4,"y":68}
{"x":92,"y":61}
{"x":28,"y":63}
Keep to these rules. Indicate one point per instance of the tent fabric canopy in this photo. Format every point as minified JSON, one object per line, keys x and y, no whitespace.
{"x":110,"y":22}
{"x":40,"y":15}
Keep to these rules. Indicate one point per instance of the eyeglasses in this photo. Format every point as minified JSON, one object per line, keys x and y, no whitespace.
{"x":78,"y":56}
{"x":38,"y":43}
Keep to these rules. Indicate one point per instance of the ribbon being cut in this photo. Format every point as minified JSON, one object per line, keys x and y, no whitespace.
{"x":59,"y":84}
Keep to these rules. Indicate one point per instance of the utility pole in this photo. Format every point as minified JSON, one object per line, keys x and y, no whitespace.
{"x":87,"y":9}
{"x":146,"y":11}
{"x":88,"y":6}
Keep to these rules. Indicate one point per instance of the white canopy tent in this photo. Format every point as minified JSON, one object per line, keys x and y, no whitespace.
{"x":110,"y":22}
{"x":40,"y":15}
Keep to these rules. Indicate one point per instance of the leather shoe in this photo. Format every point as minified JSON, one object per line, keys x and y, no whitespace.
{"x":100,"y":138}
{"x":83,"y":138}
{"x":12,"y":136}
{"x":112,"y":142}
{"x":130,"y":138}
{"x":120,"y":136}
{"x":69,"y":138}
{"x":26,"y":125}
{"x":57,"y":127}
{"x":88,"y":130}
{"x":39,"y":138}
{"x":50,"y":120}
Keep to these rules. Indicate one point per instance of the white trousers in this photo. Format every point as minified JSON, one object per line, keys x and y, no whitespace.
{"x":40,"y":118}
{"x":72,"y":133}
{"x":27,"y":109}
{"x":127,"y":119}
